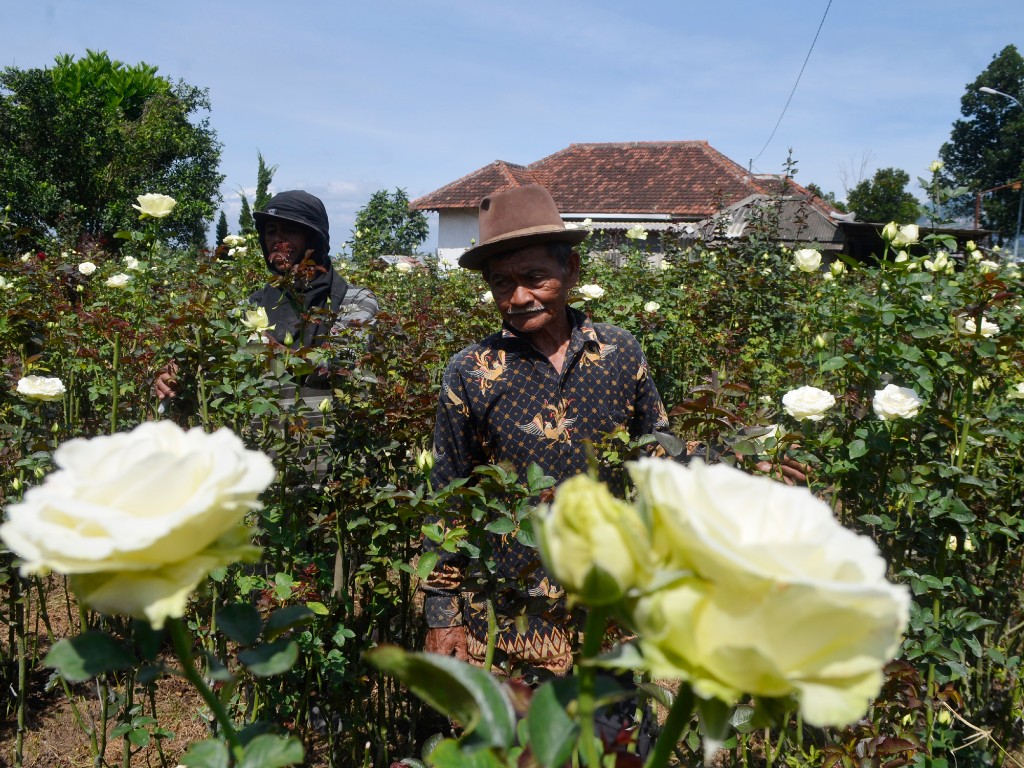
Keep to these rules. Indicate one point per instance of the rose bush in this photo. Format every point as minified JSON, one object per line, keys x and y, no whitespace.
{"x":41,"y":387}
{"x":137,"y":519}
{"x":756,"y":558}
{"x":807,"y":403}
{"x":895,"y":402}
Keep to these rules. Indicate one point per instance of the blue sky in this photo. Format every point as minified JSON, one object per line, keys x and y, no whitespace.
{"x":348,"y":98}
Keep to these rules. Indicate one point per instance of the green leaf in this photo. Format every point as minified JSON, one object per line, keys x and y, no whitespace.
{"x":210,"y":753}
{"x":90,"y":654}
{"x":857,"y":448}
{"x":465,"y":693}
{"x":284,"y":619}
{"x":241,"y":622}
{"x":139,"y":737}
{"x":659,"y":693}
{"x":318,"y":608}
{"x":426,"y":564}
{"x":270,"y":659}
{"x":450,"y":754}
{"x":833,"y":364}
{"x":552,"y":732}
{"x":270,"y":751}
{"x":501,"y":526}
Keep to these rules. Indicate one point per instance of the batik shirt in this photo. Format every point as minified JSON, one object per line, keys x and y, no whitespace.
{"x":503,"y":401}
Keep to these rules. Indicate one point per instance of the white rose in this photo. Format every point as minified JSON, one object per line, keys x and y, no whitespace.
{"x":131,"y":263}
{"x":985,"y":266}
{"x":807,"y":403}
{"x":807,"y":259}
{"x":256,"y":320}
{"x":487,"y":297}
{"x":1017,"y":391}
{"x":772,"y":595}
{"x":155,"y":205}
{"x":896,"y":403}
{"x":591,"y":291}
{"x":636,"y":232}
{"x":137,"y":519}
{"x":86,"y":267}
{"x":889,"y":231}
{"x":907,"y":235}
{"x":120,"y":280}
{"x":234,"y":241}
{"x":968,"y":326}
{"x":5,"y":284}
{"x":41,"y":387}
{"x":936,"y":166}
{"x":926,"y":297}
{"x":938,"y":264}
{"x":652,"y":307}
{"x":404,"y":266}
{"x":837,"y":268}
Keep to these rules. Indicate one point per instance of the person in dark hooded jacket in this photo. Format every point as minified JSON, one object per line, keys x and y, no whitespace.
{"x":310,"y":302}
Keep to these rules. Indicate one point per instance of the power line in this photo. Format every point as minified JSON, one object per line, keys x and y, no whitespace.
{"x":808,"y":58}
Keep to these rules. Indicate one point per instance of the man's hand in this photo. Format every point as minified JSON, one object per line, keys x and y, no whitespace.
{"x":447,"y":641}
{"x":789,"y":471}
{"x":166,"y":382}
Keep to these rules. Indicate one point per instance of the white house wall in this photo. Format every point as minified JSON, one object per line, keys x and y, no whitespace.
{"x":456,"y":230}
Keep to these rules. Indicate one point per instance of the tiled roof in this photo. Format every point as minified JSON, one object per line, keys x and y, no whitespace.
{"x":686,"y":179}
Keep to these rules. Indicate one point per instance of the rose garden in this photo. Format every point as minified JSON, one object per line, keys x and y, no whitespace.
{"x":872,"y":618}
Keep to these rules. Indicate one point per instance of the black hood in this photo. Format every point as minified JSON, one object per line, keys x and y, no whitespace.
{"x":303,"y":208}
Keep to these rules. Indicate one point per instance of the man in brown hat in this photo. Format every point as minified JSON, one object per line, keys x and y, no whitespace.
{"x":532,"y":393}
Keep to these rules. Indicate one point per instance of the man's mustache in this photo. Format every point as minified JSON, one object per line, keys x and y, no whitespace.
{"x":528,"y":310}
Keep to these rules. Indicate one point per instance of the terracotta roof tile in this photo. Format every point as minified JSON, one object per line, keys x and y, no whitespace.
{"x":686,"y":179}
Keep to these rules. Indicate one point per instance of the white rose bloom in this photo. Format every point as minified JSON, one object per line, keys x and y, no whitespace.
{"x":1017,"y":391}
{"x":41,"y":387}
{"x":968,"y":326}
{"x":256,"y":320}
{"x":926,"y":297}
{"x":807,"y":259}
{"x":889,"y":231}
{"x":807,"y":403}
{"x":131,"y":263}
{"x":5,"y":284}
{"x":591,"y":291}
{"x":636,"y":232}
{"x":985,"y":266}
{"x":939,"y":263}
{"x":120,"y":280}
{"x":86,"y":267}
{"x":234,"y":241}
{"x":652,"y":307}
{"x":404,"y":266}
{"x":837,"y":268}
{"x":896,"y":403}
{"x":487,"y":298}
{"x":936,"y":166}
{"x":155,"y":205}
{"x":139,"y":518}
{"x":907,"y":235}
{"x":772,"y":596}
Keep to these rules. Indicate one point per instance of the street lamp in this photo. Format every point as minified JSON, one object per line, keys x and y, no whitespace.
{"x":1020,"y":201}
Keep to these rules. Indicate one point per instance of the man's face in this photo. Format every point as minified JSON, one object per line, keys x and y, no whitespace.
{"x":287,"y":243}
{"x":531,"y":288}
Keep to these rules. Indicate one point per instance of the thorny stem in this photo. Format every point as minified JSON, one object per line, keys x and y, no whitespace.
{"x":678,"y":717}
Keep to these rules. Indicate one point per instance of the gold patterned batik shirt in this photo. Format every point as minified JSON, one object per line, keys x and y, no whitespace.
{"x":502,"y":401}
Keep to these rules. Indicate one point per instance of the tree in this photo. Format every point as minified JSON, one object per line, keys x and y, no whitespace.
{"x":884,"y":198}
{"x":386,"y":225}
{"x":79,"y":141}
{"x":222,"y":229}
{"x":828,"y":197}
{"x":986,"y":148}
{"x":264,"y":175}
{"x":246,"y":223}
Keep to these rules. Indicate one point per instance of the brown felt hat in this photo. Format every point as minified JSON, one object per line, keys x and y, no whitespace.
{"x":515,"y":218}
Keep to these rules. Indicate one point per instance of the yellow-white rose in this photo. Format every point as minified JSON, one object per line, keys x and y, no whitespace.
{"x":968,"y":326}
{"x":593,"y":544}
{"x":985,"y":266}
{"x":487,"y":297}
{"x":155,"y":205}
{"x":591,"y":291}
{"x":894,"y":402}
{"x":120,"y":280}
{"x":234,"y":241}
{"x":807,"y":403}
{"x":404,"y":266}
{"x":939,"y":264}
{"x":936,"y":166}
{"x":773,"y":596}
{"x":86,"y":267}
{"x":807,"y":259}
{"x":130,"y":262}
{"x":636,"y":232}
{"x":256,"y":320}
{"x":907,"y":235}
{"x":837,"y":268}
{"x":652,"y":307}
{"x":41,"y":387}
{"x":137,"y":519}
{"x":889,"y":231}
